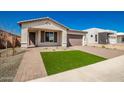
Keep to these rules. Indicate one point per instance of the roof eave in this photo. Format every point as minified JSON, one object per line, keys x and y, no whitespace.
{"x":45,"y":18}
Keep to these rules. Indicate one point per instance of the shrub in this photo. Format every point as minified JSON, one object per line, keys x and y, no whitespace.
{"x":103,"y":46}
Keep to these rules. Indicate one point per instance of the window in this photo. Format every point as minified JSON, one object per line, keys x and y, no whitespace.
{"x":48,"y":36}
{"x":51,"y":37}
{"x":96,"y":38}
{"x":91,"y":35}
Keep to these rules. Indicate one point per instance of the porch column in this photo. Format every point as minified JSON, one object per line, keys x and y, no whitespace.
{"x":39,"y":37}
{"x":64,"y":38}
{"x":84,"y":40}
{"x":36,"y":37}
{"x":24,"y":37}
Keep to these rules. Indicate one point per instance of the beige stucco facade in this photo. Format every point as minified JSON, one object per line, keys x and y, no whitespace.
{"x":43,"y":25}
{"x":38,"y":26}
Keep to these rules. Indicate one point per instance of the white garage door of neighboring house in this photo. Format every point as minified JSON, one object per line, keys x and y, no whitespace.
{"x":113,"y":40}
{"x":74,"y":40}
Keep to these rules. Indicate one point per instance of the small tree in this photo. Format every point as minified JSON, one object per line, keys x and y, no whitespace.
{"x":13,"y":44}
{"x":5,"y":38}
{"x":5,"y":41}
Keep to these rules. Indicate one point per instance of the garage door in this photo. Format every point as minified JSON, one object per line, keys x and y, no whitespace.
{"x":74,"y":40}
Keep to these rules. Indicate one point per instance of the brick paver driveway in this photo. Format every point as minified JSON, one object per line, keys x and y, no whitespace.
{"x":103,"y":52}
{"x":31,"y":67}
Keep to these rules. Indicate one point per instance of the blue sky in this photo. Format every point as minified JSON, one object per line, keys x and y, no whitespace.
{"x":73,"y":19}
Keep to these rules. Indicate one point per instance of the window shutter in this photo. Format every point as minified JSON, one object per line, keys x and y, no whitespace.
{"x":42,"y":36}
{"x":55,"y":36}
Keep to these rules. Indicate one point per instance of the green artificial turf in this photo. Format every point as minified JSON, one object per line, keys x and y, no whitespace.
{"x":60,"y":61}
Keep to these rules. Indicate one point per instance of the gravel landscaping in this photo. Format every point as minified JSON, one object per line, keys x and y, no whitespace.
{"x":9,"y":65}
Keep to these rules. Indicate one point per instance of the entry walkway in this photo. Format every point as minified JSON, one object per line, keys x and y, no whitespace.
{"x":31,"y":67}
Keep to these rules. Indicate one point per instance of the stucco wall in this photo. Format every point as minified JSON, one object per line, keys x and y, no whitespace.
{"x":47,"y":24}
{"x":113,"y":39}
{"x":89,"y":39}
{"x":24,"y":37}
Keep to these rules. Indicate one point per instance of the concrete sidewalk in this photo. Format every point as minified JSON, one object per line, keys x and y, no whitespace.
{"x":31,"y":67}
{"x":111,"y":70}
{"x":103,"y":52}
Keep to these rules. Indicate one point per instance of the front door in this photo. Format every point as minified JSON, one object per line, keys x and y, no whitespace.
{"x":31,"y":38}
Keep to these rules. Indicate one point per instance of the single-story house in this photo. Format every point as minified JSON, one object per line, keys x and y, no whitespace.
{"x":48,"y":32}
{"x":102,"y":36}
{"x":116,"y":38}
{"x":98,"y":36}
{"x":8,"y":40}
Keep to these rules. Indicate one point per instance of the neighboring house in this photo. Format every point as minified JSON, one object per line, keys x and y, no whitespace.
{"x":117,"y":38}
{"x":8,"y":39}
{"x":98,"y":36}
{"x":102,"y":36}
{"x":120,"y":37}
{"x":48,"y":32}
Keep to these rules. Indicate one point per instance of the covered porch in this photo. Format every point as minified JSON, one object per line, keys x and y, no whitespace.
{"x":44,"y":37}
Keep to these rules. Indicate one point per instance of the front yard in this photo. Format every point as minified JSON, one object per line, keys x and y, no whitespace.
{"x":60,"y":61}
{"x":9,"y":64}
